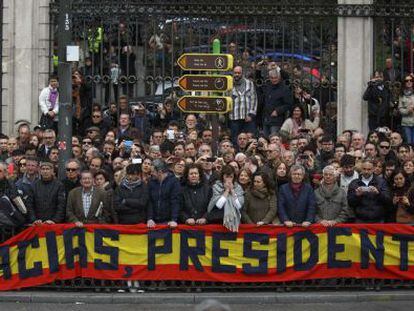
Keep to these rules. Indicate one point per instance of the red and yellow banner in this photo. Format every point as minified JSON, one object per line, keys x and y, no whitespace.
{"x":42,"y":254}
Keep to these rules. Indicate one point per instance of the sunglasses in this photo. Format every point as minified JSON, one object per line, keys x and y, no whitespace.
{"x":22,"y":164}
{"x":87,"y":142}
{"x":408,"y":80}
{"x":384,"y":147}
{"x":71,"y":169}
{"x":96,"y":116}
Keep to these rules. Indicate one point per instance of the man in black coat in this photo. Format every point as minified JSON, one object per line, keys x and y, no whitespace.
{"x":369,"y":196}
{"x":277,"y":100}
{"x":46,"y":202}
{"x":131,"y":198}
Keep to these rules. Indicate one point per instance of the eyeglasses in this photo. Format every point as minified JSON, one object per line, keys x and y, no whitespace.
{"x":384,"y":147}
{"x":96,"y":116}
{"x":69,"y":169}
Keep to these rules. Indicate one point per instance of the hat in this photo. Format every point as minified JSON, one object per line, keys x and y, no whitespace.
{"x":45,"y":163}
{"x":93,"y":128}
{"x":160,"y":165}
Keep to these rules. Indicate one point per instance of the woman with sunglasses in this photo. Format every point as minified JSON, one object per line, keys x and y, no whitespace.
{"x":406,"y":109}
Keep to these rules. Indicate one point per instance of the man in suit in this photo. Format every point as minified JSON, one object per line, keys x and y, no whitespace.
{"x":88,"y":204}
{"x":49,"y":141}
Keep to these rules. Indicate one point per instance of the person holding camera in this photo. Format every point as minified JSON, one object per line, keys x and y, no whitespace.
{"x":402,"y":198}
{"x":297,"y":123}
{"x":369,"y":196}
{"x":379,"y":99}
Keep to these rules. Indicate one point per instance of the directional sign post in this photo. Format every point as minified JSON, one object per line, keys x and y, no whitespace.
{"x":208,"y":83}
{"x":206,"y":62}
{"x":205,"y":104}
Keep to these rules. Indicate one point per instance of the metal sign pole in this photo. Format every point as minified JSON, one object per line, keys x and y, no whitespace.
{"x":65,"y":87}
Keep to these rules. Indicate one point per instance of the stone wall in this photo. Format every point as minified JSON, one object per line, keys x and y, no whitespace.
{"x":25,"y":64}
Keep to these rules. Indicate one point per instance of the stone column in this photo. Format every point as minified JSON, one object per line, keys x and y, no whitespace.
{"x":355,"y":66}
{"x":25,"y":63}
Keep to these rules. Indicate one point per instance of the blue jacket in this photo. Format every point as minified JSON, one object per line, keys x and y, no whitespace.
{"x":296,"y":209}
{"x":165,"y":199}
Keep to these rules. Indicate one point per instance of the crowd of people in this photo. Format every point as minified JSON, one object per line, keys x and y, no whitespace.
{"x":278,"y":162}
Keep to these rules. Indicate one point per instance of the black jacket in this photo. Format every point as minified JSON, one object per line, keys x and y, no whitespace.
{"x":47,"y":201}
{"x":276,"y":97}
{"x":131,"y":203}
{"x":378,"y":97}
{"x":370,"y":207}
{"x":195,"y":200}
{"x":165,"y":199}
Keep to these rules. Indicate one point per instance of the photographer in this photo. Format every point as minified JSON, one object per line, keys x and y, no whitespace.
{"x":379,"y":98}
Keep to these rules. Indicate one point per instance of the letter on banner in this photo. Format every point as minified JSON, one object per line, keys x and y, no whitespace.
{"x":153,"y":235}
{"x":100,"y":248}
{"x":189,"y":252}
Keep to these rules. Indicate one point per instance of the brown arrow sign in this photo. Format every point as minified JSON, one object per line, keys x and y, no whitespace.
{"x":219,"y":83}
{"x":208,"y":62}
{"x":205,"y":104}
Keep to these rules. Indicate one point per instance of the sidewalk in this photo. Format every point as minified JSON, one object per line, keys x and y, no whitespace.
{"x":195,"y":298}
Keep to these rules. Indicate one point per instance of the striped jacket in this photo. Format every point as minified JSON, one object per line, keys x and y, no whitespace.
{"x":244,"y":103}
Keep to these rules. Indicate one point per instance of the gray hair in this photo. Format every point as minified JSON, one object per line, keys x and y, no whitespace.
{"x":297,"y":167}
{"x":74,"y":161}
{"x":274,"y":73}
{"x":212,"y":305}
{"x":329,"y":168}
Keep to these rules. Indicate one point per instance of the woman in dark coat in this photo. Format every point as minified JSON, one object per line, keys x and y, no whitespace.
{"x":296,"y":205}
{"x":260,"y":206}
{"x":196,"y":195}
{"x":131,"y":198}
{"x":403,"y":208}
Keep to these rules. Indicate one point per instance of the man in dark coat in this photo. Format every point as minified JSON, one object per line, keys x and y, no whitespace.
{"x":369,"y":196}
{"x":46,"y":201}
{"x":165,"y":193}
{"x":131,"y":198}
{"x":378,"y":96}
{"x":277,"y":102}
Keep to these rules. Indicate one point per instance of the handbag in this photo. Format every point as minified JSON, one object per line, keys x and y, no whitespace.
{"x":46,"y":122}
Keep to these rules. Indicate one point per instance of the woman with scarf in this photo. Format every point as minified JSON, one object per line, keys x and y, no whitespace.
{"x":131,"y":197}
{"x":260,"y":202}
{"x":402,"y":199}
{"x":227,"y":200}
{"x":331,"y":201}
{"x":196,"y":194}
{"x":49,"y":105}
{"x":297,"y":124}
{"x":296,"y":201}
{"x":406,"y":109}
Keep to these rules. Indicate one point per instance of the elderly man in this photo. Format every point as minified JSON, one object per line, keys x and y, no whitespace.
{"x":358,"y":141}
{"x":369,"y":196}
{"x":277,"y":102}
{"x":331,"y":200}
{"x":88,"y":204}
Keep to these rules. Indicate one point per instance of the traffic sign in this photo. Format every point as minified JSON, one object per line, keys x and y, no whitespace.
{"x":219,"y":83}
{"x":207,"y":62}
{"x":205,"y":104}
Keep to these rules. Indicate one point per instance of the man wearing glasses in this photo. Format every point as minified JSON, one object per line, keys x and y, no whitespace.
{"x":71,"y":181}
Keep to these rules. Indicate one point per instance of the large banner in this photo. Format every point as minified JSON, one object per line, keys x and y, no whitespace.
{"x":42,"y":254}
